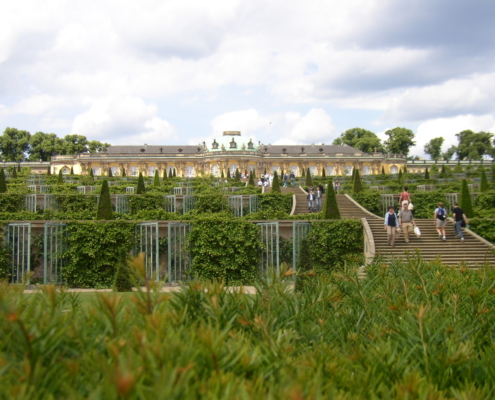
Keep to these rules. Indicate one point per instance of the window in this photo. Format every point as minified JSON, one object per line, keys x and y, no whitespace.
{"x":394,"y":169}
{"x":115,"y":171}
{"x":214,"y":170}
{"x":96,"y":171}
{"x":151,"y":170}
{"x":293,"y":169}
{"x":312,"y":170}
{"x":189,"y":171}
{"x":133,"y":171}
{"x":366,"y":170}
{"x":232,"y":169}
{"x":65,"y":171}
{"x":330,"y":170}
{"x":348,"y":169}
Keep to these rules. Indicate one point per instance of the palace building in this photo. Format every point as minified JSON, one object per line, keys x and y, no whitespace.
{"x":227,"y":153}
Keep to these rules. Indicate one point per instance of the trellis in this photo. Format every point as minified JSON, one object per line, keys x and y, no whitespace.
{"x":270,"y":256}
{"x":30,"y":202}
{"x":147,"y":241}
{"x":235,"y":203}
{"x":179,"y":257}
{"x":54,"y":247}
{"x":299,"y":232}
{"x":18,"y":242}
{"x":122,"y":203}
{"x":50,"y":202}
{"x":171,"y":203}
{"x":253,"y":203}
{"x":188,"y":203}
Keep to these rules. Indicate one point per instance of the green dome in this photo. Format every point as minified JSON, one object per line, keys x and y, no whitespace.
{"x":232,"y":141}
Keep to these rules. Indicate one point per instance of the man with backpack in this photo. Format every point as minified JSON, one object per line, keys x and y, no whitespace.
{"x":440,"y":220}
{"x":459,"y":218}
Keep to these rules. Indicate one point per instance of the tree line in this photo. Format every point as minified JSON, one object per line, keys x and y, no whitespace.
{"x":20,"y":145}
{"x":471,"y":145}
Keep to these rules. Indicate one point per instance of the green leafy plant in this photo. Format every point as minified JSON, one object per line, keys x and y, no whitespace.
{"x":141,"y":189}
{"x":3,"y":182}
{"x":330,"y":205}
{"x":465,"y":200}
{"x":275,"y":183}
{"x":104,"y":210}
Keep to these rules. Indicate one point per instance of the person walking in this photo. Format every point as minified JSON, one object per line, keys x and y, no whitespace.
{"x":459,"y":218}
{"x":319,"y":196}
{"x":440,"y":220}
{"x":390,"y":225}
{"x":285,"y":180}
{"x":292,"y":177}
{"x":406,"y":221}
{"x":311,"y":201}
{"x":337,"y":186}
{"x":404,"y":196}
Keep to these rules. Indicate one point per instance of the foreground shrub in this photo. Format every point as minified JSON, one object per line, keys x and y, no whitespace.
{"x":414,"y":330}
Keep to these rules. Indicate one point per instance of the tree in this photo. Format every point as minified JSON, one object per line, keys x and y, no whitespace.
{"x":14,"y":143}
{"x":465,"y":200}
{"x":104,"y":210}
{"x":493,"y":173}
{"x":170,"y":173}
{"x":434,"y":148}
{"x":3,"y":182}
{"x":399,"y":178}
{"x":405,"y":169}
{"x":309,"y":181}
{"x":156,"y":180}
{"x":357,"y":184}
{"x":361,"y":139}
{"x":399,"y":141}
{"x":222,"y":175}
{"x":449,"y":153}
{"x":458,"y":168}
{"x":74,"y":144}
{"x":48,"y":171}
{"x":60,"y":179}
{"x":275,"y":183}
{"x":43,"y":145}
{"x":251,"y":180}
{"x":474,"y":145}
{"x":72,"y":170}
{"x":94,"y":146}
{"x":14,"y":173}
{"x":123,"y":173}
{"x":484,"y":181}
{"x":175,"y":173}
{"x":330,"y":206}
{"x":427,"y":174}
{"x":110,"y":175}
{"x":383,"y":170}
{"x":165,"y":175}
{"x":303,"y":173}
{"x":323,"y":173}
{"x":141,"y":189}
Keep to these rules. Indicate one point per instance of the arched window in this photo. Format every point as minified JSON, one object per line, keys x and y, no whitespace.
{"x":232,"y":169}
{"x":189,"y":171}
{"x":65,"y":171}
{"x":133,"y":171}
{"x":293,"y":169}
{"x":170,"y":171}
{"x":115,"y":171}
{"x":330,"y":170}
{"x":214,"y":170}
{"x":312,"y":170}
{"x":366,"y":170}
{"x":394,"y":169}
{"x":96,"y":171}
{"x":151,"y":170}
{"x":348,"y":169}
{"x":276,"y":168}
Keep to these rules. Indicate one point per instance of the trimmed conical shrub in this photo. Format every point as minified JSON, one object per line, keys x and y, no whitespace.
{"x":323,"y":173}
{"x":383,"y":170}
{"x":458,"y":168}
{"x":3,"y":182}
{"x":165,"y":174}
{"x":427,"y":174}
{"x":141,"y":189}
{"x":156,"y":180}
{"x":442,"y":170}
{"x":484,"y":181}
{"x":253,"y":173}
{"x":265,"y":171}
{"x":123,"y":173}
{"x":357,"y":184}
{"x":175,"y":173}
{"x":465,"y":200}
{"x":72,"y":170}
{"x":237,"y":175}
{"x":493,"y":173}
{"x":330,"y":206}
{"x":60,"y":179}
{"x":48,"y":171}
{"x":399,"y":179}
{"x":309,"y":180}
{"x":104,"y":210}
{"x":110,"y":175}
{"x":251,"y":180}
{"x":123,"y":281}
{"x":91,"y":173}
{"x":303,"y":173}
{"x":275,"y":183}
{"x":170,"y":173}
{"x":222,"y":175}
{"x":405,"y":169}
{"x":14,"y":173}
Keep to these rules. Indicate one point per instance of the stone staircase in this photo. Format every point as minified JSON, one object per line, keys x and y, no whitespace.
{"x":472,"y":252}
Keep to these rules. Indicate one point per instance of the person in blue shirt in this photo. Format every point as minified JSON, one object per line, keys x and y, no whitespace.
{"x":390,"y":225}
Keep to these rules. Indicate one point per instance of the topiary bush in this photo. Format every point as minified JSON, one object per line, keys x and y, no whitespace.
{"x":225,"y":248}
{"x":369,"y":199}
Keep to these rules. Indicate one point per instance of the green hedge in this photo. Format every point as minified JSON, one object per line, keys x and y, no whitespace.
{"x":94,"y":252}
{"x":226,"y":249}
{"x":483,"y":227}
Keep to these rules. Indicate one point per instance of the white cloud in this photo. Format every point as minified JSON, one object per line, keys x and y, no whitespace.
{"x":123,"y":120}
{"x":447,"y":128}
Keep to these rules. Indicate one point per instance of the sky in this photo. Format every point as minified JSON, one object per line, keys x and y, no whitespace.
{"x":282,"y":72}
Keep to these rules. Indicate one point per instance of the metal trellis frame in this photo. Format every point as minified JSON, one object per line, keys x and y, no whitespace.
{"x":55,"y":245}
{"x":147,"y":242}
{"x":299,"y":232}
{"x":179,"y":258}
{"x":19,"y":247}
{"x":270,"y":254}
